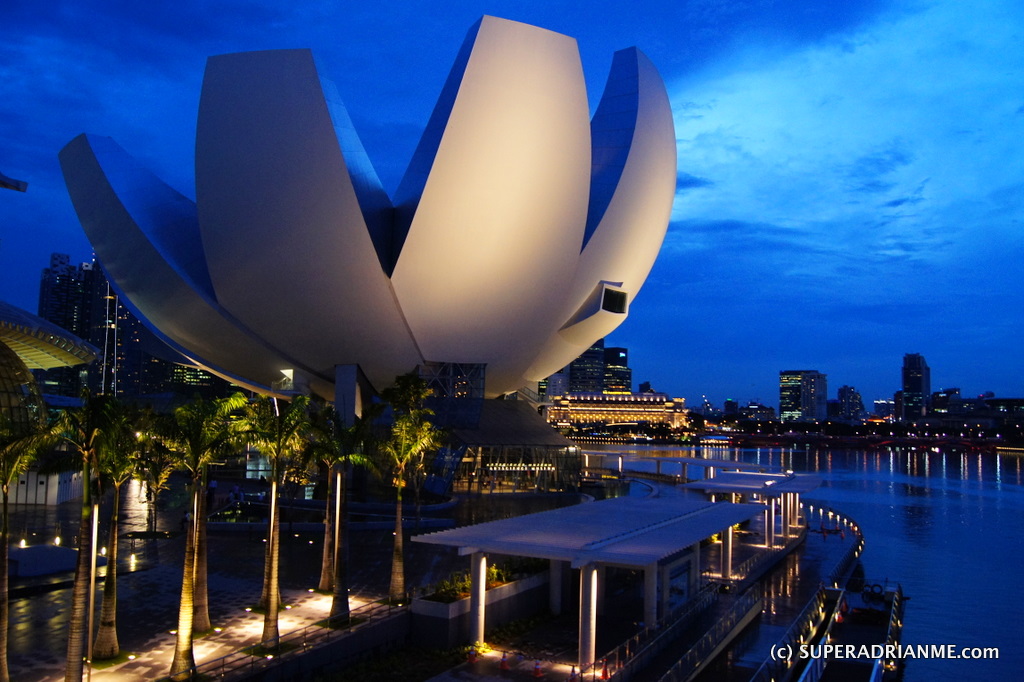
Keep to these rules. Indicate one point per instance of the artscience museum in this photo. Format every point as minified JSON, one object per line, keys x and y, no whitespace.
{"x":520,"y":233}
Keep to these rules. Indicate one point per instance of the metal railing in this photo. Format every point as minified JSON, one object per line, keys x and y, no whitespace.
{"x":693,"y":659}
{"x":250,"y":659}
{"x":800,"y":632}
{"x":638,"y":649}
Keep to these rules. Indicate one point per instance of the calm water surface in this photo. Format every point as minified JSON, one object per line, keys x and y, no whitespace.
{"x":949,"y":526}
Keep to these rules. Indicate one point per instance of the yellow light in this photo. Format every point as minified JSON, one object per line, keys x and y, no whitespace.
{"x":22,"y":543}
{"x":247,"y":609}
{"x":56,"y":541}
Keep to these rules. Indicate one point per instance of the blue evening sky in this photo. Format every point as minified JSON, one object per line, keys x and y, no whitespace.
{"x":851,"y":174}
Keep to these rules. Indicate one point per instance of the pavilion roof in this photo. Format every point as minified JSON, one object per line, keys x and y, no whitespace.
{"x":625,"y":531}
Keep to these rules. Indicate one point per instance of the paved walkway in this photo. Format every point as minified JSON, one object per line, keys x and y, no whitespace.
{"x":152,"y":603}
{"x":489,"y":668}
{"x":148,"y":596}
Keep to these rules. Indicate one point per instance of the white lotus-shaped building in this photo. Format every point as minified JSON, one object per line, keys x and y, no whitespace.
{"x":520,"y":233}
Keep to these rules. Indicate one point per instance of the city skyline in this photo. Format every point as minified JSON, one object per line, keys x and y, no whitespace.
{"x":846,"y":187}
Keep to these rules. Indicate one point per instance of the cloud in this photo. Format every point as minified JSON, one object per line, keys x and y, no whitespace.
{"x":686,"y":181}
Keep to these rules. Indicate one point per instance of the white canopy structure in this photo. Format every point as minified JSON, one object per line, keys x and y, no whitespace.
{"x":648,"y":534}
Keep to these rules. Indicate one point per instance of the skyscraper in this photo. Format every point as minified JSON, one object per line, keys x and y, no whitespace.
{"x":586,"y":373}
{"x":79,"y":299}
{"x":618,"y":377}
{"x":803,"y":395}
{"x":917,"y":386}
{"x":64,"y":290}
{"x":851,"y":406}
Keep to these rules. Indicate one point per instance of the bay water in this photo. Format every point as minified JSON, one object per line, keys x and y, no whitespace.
{"x":948,"y":525}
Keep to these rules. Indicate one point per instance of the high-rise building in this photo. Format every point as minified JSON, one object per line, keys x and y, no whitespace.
{"x":803,"y":395}
{"x":586,"y":373}
{"x":917,"y":386}
{"x":79,"y":299}
{"x":851,"y":405}
{"x":64,"y":290}
{"x":618,"y":377}
{"x":885,"y":409}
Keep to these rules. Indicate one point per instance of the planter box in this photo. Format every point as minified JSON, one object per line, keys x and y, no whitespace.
{"x":440,"y":625}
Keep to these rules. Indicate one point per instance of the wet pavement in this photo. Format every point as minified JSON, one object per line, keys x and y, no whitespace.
{"x":149,"y":584}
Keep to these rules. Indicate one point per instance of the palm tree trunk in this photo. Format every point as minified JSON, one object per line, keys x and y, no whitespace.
{"x":106,"y":645}
{"x":74,"y":663}
{"x":327,"y":571}
{"x":270,"y":636}
{"x":5,"y":539}
{"x":184,"y":657}
{"x":339,"y":603}
{"x":201,"y":605}
{"x":397,"y":589}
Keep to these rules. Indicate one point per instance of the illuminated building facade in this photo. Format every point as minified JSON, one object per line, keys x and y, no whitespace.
{"x":79,"y":299}
{"x":520,"y":233}
{"x":803,"y":395}
{"x":618,"y":377}
{"x":586,"y":373}
{"x":608,"y":409}
{"x":917,"y":386}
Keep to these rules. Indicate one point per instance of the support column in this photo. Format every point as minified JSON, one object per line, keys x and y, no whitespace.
{"x":555,"y":587}
{"x":665,"y":596}
{"x":651,"y":575}
{"x":588,"y":614}
{"x":348,"y":399}
{"x":784,"y":515}
{"x":796,"y":509}
{"x":727,"y":554}
{"x":771,"y":524}
{"x":683,"y":471}
{"x":478,"y":586}
{"x":767,"y":526}
{"x":601,"y":568}
{"x":695,"y":574}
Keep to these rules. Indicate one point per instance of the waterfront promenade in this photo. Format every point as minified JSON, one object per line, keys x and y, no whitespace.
{"x":148,"y":598}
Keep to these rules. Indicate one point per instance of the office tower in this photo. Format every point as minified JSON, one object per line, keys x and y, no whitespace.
{"x":586,"y":373}
{"x":79,"y":299}
{"x":917,"y":386}
{"x":885,"y":408}
{"x":63,"y":292}
{"x":618,"y":377}
{"x":803,"y":395}
{"x":851,"y":406}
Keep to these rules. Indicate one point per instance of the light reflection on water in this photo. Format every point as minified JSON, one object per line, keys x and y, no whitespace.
{"x":948,"y":525}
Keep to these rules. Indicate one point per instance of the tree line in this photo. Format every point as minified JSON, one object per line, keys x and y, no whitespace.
{"x":111,"y":442}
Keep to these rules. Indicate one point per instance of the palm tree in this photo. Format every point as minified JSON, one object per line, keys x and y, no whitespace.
{"x":155,"y":463}
{"x":338,"y":447}
{"x":83,"y":429}
{"x":119,"y":460}
{"x":280,"y":434}
{"x":18,"y":447}
{"x":198,"y":432}
{"x":412,"y":436}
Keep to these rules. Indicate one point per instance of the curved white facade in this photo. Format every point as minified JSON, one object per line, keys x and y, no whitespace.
{"x":515,"y":216}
